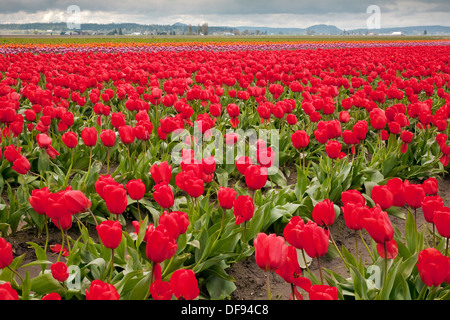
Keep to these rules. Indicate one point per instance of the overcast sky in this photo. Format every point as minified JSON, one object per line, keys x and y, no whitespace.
{"x":344,"y":14}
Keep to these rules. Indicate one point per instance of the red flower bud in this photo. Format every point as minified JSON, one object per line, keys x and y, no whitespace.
{"x":184,"y":284}
{"x":270,"y":251}
{"x":100,"y":290}
{"x":110,"y":233}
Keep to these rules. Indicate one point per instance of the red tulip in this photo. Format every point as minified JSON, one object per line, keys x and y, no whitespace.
{"x":215,"y":109}
{"x":292,"y":232}
{"x":160,"y":290}
{"x":382,"y":196}
{"x":163,"y":195}
{"x":127,"y":134}
{"x":243,"y":208}
{"x":243,"y":163}
{"x":110,"y":232}
{"x":51,"y":296}
{"x":56,"y":207}
{"x":7,"y":292}
{"x":265,"y":157}
{"x":184,"y":284}
{"x":161,"y":173}
{"x":43,"y":140}
{"x":255,"y":177}
{"x":323,"y":292}
{"x":21,"y":165}
{"x":102,"y":181}
{"x":291,"y":272}
{"x":291,"y":119}
{"x":270,"y":251}
{"x":12,"y":153}
{"x":100,"y":290}
{"x":38,"y":199}
{"x":315,"y":239}
{"x":433,"y":267}
{"x":349,"y":137}
{"x":442,"y":221}
{"x":323,"y":213}
{"x":76,"y":202}
{"x":190,"y":181}
{"x":59,"y":271}
{"x":352,"y":196}
{"x":397,"y":188}
{"x":360,"y":129}
{"x":406,"y":136}
{"x":391,"y":248}
{"x":115,"y":197}
{"x":108,"y":137}
{"x":117,"y":119}
{"x":176,"y":222}
{"x":429,"y":205}
{"x":70,"y":139}
{"x":430,"y":186}
{"x":89,"y":136}
{"x":333,"y":149}
{"x":64,"y":222}
{"x":378,"y":225}
{"x":135,"y":189}
{"x":378,"y":119}
{"x":414,"y":194}
{"x":209,"y":165}
{"x":160,"y":245}
{"x":6,"y":253}
{"x":344,"y":116}
{"x":300,"y":139}
{"x":230,"y":138}
{"x":226,"y":197}
{"x":353,"y":215}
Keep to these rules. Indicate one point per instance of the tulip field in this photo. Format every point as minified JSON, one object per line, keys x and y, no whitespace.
{"x":149,"y":170}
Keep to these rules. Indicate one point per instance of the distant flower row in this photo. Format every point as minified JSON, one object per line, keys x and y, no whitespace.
{"x":209,"y":46}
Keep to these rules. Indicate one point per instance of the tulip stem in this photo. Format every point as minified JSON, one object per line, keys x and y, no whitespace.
{"x":70,"y":168}
{"x":90,"y":163}
{"x":139,"y":211}
{"x":320,"y":270}
{"x":385,"y":264}
{"x":293,"y":291}
{"x":356,"y":245}
{"x":304,"y":260}
{"x":128,"y":154}
{"x":422,"y":293}
{"x":38,"y":175}
{"x":334,"y":243}
{"x":62,"y":243}
{"x":107,"y":163}
{"x":68,"y":241}
{"x":46,"y":231}
{"x":434,"y":236}
{"x":446,"y":248}
{"x":112,"y":265}
{"x":16,"y":273}
{"x":93,"y":216}
{"x":269,"y":296}
{"x":365,"y":244}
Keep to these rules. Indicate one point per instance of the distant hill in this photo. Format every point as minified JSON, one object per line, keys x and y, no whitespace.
{"x":320,"y":29}
{"x":417,"y":30}
{"x":179,"y":28}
